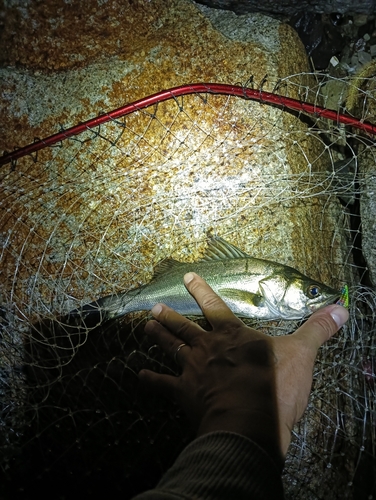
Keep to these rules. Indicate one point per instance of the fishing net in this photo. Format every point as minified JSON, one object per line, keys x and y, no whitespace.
{"x":92,"y":213}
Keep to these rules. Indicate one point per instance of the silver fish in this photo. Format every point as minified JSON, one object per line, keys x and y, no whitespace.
{"x":252,"y":288}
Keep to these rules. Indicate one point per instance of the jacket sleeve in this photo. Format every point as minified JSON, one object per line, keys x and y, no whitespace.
{"x":220,"y":466}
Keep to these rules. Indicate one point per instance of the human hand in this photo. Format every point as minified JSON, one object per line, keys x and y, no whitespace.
{"x":235,"y":378}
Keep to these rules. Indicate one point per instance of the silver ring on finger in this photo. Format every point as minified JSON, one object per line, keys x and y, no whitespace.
{"x":177,"y":351}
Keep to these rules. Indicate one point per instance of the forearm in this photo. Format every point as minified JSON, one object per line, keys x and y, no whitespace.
{"x":261,"y":428}
{"x":220,"y":466}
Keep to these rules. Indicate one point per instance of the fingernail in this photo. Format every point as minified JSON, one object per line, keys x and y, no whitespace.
{"x":148,"y":327}
{"x":156,"y":310}
{"x":188,"y":278}
{"x":143,"y":375}
{"x":340,"y":315}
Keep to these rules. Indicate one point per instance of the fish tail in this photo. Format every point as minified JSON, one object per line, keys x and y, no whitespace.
{"x":106,"y":308}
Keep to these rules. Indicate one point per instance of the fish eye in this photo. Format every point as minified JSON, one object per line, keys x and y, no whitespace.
{"x":314,"y":291}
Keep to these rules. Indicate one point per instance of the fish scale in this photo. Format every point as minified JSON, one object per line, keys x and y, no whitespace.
{"x":251,"y":287}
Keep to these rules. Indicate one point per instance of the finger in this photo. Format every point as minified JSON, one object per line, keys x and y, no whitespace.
{"x":175,"y":347}
{"x":183,"y":355}
{"x":175,"y":324}
{"x":322,"y":325}
{"x":214,"y":308}
{"x":163,"y":384}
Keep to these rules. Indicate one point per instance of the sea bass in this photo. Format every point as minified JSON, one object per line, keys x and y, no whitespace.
{"x":252,"y":288}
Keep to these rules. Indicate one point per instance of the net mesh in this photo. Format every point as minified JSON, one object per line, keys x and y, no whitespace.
{"x":93,"y":214}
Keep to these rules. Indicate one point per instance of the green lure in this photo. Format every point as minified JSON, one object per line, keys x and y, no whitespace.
{"x":344,"y":298}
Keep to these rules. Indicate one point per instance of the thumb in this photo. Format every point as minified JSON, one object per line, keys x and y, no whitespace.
{"x":322,"y":325}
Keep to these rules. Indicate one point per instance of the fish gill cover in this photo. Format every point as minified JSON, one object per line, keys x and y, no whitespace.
{"x":93,"y":215}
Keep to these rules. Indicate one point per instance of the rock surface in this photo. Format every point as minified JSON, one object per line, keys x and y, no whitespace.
{"x":117,"y":56}
{"x":290,"y":7}
{"x":362,"y":102}
{"x":94,"y":214}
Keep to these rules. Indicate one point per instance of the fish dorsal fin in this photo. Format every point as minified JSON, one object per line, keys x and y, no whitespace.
{"x":165,"y":266}
{"x":219,"y":249}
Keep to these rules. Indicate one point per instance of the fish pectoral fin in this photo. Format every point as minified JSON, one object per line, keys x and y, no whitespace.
{"x":250,"y":298}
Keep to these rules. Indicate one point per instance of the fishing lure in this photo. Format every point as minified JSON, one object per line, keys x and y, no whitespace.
{"x":344,"y":298}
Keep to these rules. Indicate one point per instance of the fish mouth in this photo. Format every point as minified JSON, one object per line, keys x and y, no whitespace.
{"x":329,"y":301}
